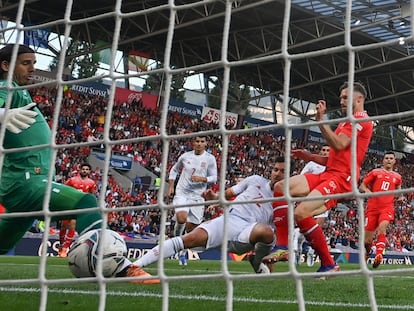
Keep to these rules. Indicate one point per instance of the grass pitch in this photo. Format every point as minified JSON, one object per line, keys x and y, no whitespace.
{"x":21,"y":289}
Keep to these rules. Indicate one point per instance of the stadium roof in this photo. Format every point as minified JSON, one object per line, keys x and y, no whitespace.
{"x":319,"y":58}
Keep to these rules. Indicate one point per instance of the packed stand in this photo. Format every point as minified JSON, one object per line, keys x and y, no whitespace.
{"x":82,"y":118}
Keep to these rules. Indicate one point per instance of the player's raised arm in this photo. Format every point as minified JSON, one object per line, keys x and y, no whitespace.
{"x":336,"y":141}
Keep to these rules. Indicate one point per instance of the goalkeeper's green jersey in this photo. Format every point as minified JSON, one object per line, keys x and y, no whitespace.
{"x":18,"y":164}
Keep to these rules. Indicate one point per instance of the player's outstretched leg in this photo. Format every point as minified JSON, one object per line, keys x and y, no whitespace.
{"x":179,"y":230}
{"x":171,"y":247}
{"x":258,"y":266}
{"x":135,"y":271}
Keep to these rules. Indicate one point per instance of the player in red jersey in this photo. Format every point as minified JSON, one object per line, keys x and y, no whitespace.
{"x":83,"y":183}
{"x":379,"y":211}
{"x":281,"y":225}
{"x":336,"y":178}
{"x":280,"y":215}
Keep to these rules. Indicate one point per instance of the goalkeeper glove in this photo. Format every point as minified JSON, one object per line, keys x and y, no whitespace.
{"x":18,"y":119}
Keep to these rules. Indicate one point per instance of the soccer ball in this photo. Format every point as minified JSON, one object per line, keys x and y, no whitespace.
{"x":83,"y":254}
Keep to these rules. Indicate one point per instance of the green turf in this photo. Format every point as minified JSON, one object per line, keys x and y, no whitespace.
{"x":394,"y":290}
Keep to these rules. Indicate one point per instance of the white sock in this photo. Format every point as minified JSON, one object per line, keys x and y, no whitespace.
{"x":126,"y":263}
{"x":179,"y":229}
{"x":171,"y":247}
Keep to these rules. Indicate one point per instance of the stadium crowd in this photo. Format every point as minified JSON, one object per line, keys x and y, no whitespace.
{"x":82,"y":119}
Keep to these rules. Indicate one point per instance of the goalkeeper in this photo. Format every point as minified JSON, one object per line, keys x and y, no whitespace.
{"x":25,"y":173}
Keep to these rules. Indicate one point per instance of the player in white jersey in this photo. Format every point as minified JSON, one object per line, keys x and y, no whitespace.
{"x":249,"y":224}
{"x":298,"y":238}
{"x":196,"y":169}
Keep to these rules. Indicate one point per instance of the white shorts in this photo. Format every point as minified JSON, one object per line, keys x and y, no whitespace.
{"x":325,"y":214}
{"x":238,"y":233}
{"x":195,"y":214}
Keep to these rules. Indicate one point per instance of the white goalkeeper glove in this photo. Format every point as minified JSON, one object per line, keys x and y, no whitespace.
{"x":18,"y":119}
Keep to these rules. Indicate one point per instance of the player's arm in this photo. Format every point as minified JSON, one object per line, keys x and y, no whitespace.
{"x":309,"y":156}
{"x":401,"y":197}
{"x":210,"y":195}
{"x":172,"y":176}
{"x":364,"y":188}
{"x":319,"y":159}
{"x":171,"y":187}
{"x":337,"y":142}
{"x":210,"y":175}
{"x":229,"y":193}
{"x":212,"y":172}
{"x":196,"y":178}
{"x":93,"y":189}
{"x":69,"y":182}
{"x":366,"y":184}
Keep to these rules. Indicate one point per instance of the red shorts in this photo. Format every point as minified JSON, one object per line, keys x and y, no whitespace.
{"x":373,"y":217}
{"x":329,"y":183}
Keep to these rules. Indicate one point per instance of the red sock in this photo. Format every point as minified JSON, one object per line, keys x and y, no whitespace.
{"x":314,"y":234}
{"x":69,"y":238}
{"x":280,"y":218}
{"x":380,"y":245}
{"x":62,"y":234}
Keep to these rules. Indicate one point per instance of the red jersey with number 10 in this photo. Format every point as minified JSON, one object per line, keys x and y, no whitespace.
{"x":84,"y":185}
{"x":339,"y":161}
{"x":380,"y":180}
